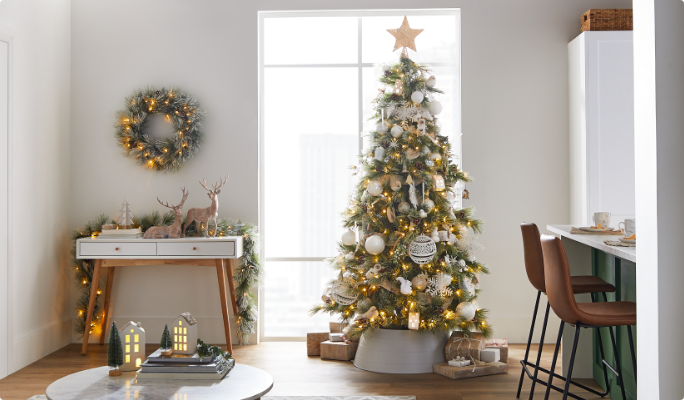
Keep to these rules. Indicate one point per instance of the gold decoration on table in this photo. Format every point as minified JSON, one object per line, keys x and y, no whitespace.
{"x":405,"y":35}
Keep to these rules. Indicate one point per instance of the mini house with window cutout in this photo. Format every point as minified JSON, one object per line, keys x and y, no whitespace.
{"x":184,"y":334}
{"x":133,"y":338}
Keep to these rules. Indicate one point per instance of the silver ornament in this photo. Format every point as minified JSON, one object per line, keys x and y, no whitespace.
{"x":397,"y":131}
{"x":342,"y":293}
{"x":422,"y":250}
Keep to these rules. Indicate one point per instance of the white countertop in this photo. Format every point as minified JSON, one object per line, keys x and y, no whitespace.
{"x":595,"y":241}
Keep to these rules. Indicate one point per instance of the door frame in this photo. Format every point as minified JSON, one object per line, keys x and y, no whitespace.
{"x":7,"y":36}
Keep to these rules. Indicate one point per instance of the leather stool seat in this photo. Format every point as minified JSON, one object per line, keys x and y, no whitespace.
{"x":590,"y":284}
{"x":607,"y":314}
{"x":534,"y":266}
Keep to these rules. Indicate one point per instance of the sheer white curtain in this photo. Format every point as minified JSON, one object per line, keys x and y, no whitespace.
{"x":318,"y":75}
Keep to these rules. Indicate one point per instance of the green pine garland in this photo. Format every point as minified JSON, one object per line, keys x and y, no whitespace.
{"x":179,"y":109}
{"x":247,"y":275}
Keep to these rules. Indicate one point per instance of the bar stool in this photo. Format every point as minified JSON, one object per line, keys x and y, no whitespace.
{"x":582,"y":315}
{"x":534,"y":265}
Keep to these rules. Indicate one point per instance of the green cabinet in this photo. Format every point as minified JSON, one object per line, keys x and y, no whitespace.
{"x":622,"y":274}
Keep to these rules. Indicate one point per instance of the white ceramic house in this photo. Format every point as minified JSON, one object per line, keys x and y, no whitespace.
{"x":133,"y":341}
{"x":185,"y":334}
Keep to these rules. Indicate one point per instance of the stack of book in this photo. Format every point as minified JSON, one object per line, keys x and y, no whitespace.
{"x":115,"y":233}
{"x":185,"y":366}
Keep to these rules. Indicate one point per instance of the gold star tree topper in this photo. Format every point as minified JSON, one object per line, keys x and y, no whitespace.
{"x":406,"y":37}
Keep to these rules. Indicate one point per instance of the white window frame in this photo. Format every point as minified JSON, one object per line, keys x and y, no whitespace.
{"x":454,"y":137}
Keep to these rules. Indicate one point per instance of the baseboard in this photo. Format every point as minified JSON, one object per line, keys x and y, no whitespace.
{"x":210,"y":330}
{"x":39,"y":344}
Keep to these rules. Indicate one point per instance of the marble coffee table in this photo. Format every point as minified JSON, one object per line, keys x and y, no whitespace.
{"x":242,"y":383}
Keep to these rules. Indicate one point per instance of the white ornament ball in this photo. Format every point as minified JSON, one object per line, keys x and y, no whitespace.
{"x":466,"y":310}
{"x":385,"y":67}
{"x":435,"y":156}
{"x":435,"y":107}
{"x":349,"y":238}
{"x":397,"y":131}
{"x":375,"y":244}
{"x":431,"y":82}
{"x":381,"y":128}
{"x":349,"y":257}
{"x":429,"y":204}
{"x":417,"y":97}
{"x":404,"y":207}
{"x":374,"y":188}
{"x":422,"y":214}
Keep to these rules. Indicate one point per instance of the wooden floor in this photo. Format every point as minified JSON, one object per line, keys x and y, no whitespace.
{"x":295,"y":374}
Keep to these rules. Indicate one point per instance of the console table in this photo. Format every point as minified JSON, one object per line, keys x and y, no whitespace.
{"x":220,"y":252}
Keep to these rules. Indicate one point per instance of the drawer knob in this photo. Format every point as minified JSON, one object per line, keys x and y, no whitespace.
{"x":194,"y":248}
{"x":116,"y":248}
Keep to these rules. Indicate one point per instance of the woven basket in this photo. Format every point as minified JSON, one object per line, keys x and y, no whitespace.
{"x":607,"y":20}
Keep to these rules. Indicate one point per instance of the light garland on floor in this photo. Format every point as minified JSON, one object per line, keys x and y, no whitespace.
{"x":247,"y":275}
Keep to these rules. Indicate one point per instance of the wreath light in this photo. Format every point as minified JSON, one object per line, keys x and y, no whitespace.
{"x":179,"y":109}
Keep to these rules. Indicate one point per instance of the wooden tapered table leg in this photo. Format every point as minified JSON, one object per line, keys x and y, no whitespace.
{"x":221,"y":274}
{"x":231,"y":284}
{"x":108,"y":295}
{"x":91,"y":304}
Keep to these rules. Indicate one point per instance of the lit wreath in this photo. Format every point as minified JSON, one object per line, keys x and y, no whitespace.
{"x":179,"y":109}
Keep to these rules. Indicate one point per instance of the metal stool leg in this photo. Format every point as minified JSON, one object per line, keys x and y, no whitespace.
{"x":603,"y":357}
{"x":541,"y":346}
{"x":529,"y":341}
{"x":572,"y":362}
{"x":555,"y":358}
{"x":621,"y":381}
{"x":631,"y":348}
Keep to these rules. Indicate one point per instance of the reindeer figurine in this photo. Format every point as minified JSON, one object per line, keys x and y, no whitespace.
{"x":171,"y":231}
{"x":210,"y":213}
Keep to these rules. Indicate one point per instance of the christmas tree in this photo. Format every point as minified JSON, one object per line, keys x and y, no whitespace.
{"x":114,"y":350}
{"x":166,"y":342}
{"x":125,"y":216}
{"x":413,"y":264}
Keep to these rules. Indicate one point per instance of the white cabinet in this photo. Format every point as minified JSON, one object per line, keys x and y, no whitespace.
{"x":601,"y":126}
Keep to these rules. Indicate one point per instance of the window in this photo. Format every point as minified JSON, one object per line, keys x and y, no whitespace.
{"x":318,"y":76}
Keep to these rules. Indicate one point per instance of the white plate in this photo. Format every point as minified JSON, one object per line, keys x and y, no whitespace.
{"x":628,"y":241}
{"x":590,"y":229}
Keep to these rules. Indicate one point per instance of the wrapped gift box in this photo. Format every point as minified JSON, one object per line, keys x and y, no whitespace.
{"x":503,"y":352}
{"x":482,"y":369}
{"x":313,"y":343}
{"x":490,"y":355}
{"x":338,"y":350}
{"x":336,"y":327}
{"x":336,"y":337}
{"x":502,"y":345}
{"x":461,"y":346}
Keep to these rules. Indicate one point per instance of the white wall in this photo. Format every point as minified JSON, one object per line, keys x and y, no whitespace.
{"x":659,"y":100}
{"x":40,"y":277}
{"x":515,"y":120}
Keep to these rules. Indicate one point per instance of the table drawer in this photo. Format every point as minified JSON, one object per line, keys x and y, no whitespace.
{"x":118,"y":249}
{"x":204,"y":248}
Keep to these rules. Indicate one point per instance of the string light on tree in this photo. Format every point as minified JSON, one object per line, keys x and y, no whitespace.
{"x":403,"y":207}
